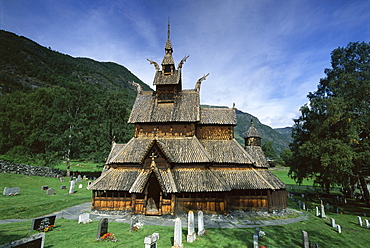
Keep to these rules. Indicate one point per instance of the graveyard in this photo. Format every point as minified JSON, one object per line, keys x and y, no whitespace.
{"x":33,"y":201}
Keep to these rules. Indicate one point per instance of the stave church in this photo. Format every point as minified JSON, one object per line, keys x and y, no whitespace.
{"x":184,"y":157}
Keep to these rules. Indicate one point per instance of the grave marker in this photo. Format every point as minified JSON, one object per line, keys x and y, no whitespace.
{"x":255,"y":240}
{"x":84,"y":218}
{"x":72,"y":187}
{"x":151,"y":240}
{"x":339,"y":229}
{"x":177,"y":239}
{"x":102,"y":228}
{"x":332,"y":222}
{"x":367,"y":224}
{"x":43,"y":222}
{"x":200,"y":223}
{"x":36,"y":240}
{"x":11,"y":191}
{"x":61,"y":179}
{"x":190,"y":238}
{"x":359,"y":220}
{"x":63,"y":187}
{"x":322,"y":213}
{"x":45,"y":187}
{"x":305,"y":241}
{"x":80,"y":186}
{"x":50,"y":191}
{"x":317,"y":211}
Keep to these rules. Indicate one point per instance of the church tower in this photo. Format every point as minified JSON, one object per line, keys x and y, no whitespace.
{"x":253,"y":137}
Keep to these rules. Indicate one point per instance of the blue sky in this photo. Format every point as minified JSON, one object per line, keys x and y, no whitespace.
{"x":263,"y":55}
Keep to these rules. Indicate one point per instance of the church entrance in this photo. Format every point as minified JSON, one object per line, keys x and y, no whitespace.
{"x":154,"y":196}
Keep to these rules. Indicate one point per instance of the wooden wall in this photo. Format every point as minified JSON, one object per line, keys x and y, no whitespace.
{"x":215,"y":132}
{"x":170,"y":130}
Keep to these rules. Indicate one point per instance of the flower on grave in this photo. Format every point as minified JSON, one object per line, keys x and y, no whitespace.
{"x":48,"y":228}
{"x":261,"y":234}
{"x":137,"y":226}
{"x":262,"y":246}
{"x":109,"y":237}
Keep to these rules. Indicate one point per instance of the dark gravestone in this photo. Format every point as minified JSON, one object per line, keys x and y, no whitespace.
{"x":45,"y":187}
{"x":102,"y":228}
{"x":43,"y":222}
{"x":11,"y":191}
{"x":34,"y":241}
{"x":63,"y":187}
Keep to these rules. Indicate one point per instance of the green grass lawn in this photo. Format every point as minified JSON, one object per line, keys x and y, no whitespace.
{"x":282,"y":174}
{"x":32,"y":201}
{"x":80,"y":166}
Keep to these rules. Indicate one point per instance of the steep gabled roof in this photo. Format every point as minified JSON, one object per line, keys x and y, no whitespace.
{"x":160,"y":79}
{"x":227,"y":151}
{"x":220,"y":116}
{"x":116,"y":179}
{"x":184,"y":109}
{"x":258,"y":155}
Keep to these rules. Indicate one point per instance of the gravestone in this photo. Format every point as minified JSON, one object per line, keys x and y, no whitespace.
{"x":190,"y":238}
{"x":45,"y":187}
{"x":332,"y":222}
{"x":359,"y":220}
{"x":255,"y":240}
{"x":80,"y":186}
{"x":63,"y":187}
{"x":339,"y":229}
{"x":151,"y":240}
{"x":84,"y":218}
{"x":322,"y":213}
{"x":102,"y":228}
{"x":11,"y":191}
{"x":61,"y":179}
{"x":36,"y":240}
{"x":336,"y":210}
{"x":72,"y":187}
{"x":200,"y":223}
{"x":317,"y":212}
{"x":43,"y":222}
{"x":367,"y":224}
{"x":305,"y":242}
{"x":134,"y":220}
{"x":50,"y":191}
{"x":303,"y":206}
{"x":177,"y":238}
{"x":327,"y":206}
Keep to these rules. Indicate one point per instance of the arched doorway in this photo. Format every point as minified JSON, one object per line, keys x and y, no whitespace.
{"x":154,"y":195}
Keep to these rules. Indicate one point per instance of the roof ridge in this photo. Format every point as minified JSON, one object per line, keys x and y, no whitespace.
{"x":272,"y":187}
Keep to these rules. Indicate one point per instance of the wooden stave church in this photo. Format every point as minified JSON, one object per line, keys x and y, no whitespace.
{"x":185,"y":157}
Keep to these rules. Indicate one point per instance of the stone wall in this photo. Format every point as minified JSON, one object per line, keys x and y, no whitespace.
{"x":15,"y":168}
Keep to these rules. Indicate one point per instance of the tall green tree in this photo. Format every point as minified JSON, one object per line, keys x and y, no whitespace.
{"x":331,"y":137}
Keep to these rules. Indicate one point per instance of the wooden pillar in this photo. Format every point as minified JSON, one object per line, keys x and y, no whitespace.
{"x":173,"y":203}
{"x":93,"y":199}
{"x":269,"y":201}
{"x":133,"y":201}
{"x":160,"y":203}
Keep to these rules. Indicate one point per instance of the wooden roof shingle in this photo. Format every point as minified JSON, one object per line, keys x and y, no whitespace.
{"x":258,"y":155}
{"x":116,"y":179}
{"x":220,"y":116}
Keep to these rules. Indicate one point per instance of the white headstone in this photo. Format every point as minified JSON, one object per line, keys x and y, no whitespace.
{"x":72,"y":187}
{"x":359,"y":220}
{"x":322,"y":213}
{"x":305,"y":241}
{"x":151,"y":241}
{"x":190,"y":238}
{"x":332,"y":222}
{"x":11,"y":191}
{"x":367,"y":224}
{"x":84,"y":218}
{"x":80,"y":186}
{"x":200,"y":224}
{"x":339,"y":229}
{"x":50,"y":191}
{"x":317,"y":211}
{"x":177,"y":240}
{"x":255,"y":240}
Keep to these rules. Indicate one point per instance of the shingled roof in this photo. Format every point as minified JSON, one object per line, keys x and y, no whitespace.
{"x":185,"y":108}
{"x":258,"y":155}
{"x":220,"y":116}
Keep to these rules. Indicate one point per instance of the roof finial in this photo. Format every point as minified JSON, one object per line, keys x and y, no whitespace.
{"x":169,"y":30}
{"x":252,"y":123}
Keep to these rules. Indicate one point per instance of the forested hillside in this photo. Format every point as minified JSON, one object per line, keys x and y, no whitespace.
{"x":53,"y":105}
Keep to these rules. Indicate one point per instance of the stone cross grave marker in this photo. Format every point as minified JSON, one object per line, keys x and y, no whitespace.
{"x":151,"y":240}
{"x":305,"y":242}
{"x":332,"y":222}
{"x":11,"y":191}
{"x":41,"y":223}
{"x":255,"y":240}
{"x":359,"y":220}
{"x":339,"y":229}
{"x":177,"y":239}
{"x":367,"y":224}
{"x":84,"y":218}
{"x":36,"y":240}
{"x":200,"y":223}
{"x":322,"y":213}
{"x":102,"y":228}
{"x":50,"y":191}
{"x":45,"y":187}
{"x":72,"y":187}
{"x":190,"y":238}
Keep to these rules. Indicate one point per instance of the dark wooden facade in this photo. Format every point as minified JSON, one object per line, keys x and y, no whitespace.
{"x":184,"y":157}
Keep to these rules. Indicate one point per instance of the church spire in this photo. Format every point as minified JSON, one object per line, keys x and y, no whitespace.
{"x":168,"y":64}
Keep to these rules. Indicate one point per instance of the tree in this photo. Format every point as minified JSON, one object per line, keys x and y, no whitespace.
{"x":331,"y":137}
{"x":286,"y":156}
